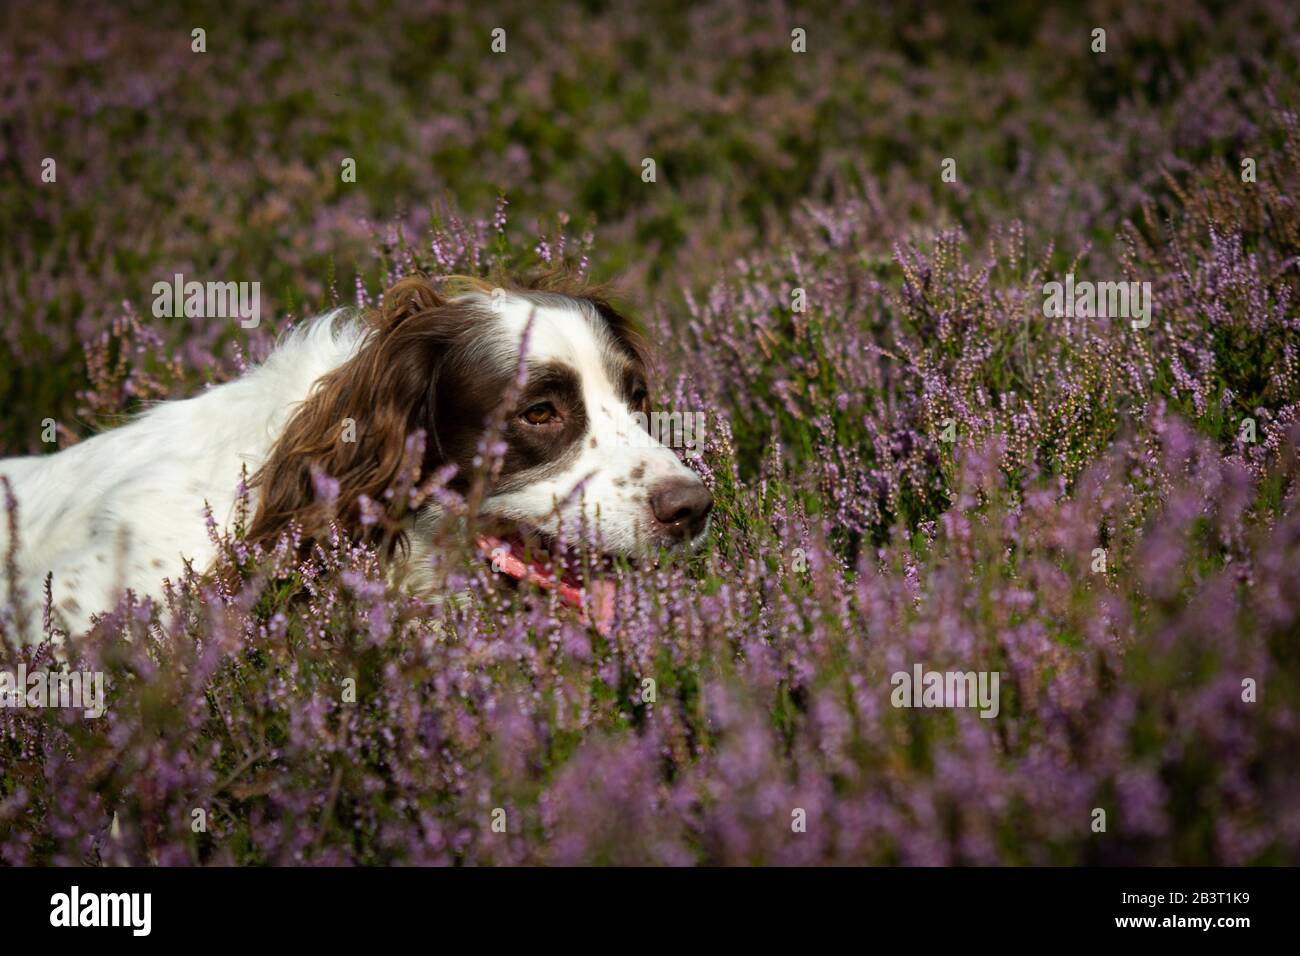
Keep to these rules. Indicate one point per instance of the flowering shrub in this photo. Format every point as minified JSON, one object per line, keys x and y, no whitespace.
{"x":914,"y":467}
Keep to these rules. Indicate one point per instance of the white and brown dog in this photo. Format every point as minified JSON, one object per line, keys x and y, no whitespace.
{"x":125,"y":508}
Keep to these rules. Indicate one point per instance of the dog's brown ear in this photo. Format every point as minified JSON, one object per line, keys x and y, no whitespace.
{"x":410,"y":297}
{"x":353,"y":428}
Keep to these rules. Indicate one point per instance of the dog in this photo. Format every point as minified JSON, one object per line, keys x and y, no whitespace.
{"x":548,"y":362}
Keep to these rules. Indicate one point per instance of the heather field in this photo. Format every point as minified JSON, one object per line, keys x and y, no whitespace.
{"x":842,"y":261}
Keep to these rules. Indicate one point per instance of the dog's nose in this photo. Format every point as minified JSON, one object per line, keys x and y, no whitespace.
{"x":682,"y":506}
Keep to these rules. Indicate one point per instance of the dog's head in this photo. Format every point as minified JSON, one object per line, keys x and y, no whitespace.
{"x":549,"y":366}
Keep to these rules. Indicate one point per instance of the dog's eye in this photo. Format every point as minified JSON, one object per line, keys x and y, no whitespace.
{"x":639,"y":397}
{"x":539,"y":414}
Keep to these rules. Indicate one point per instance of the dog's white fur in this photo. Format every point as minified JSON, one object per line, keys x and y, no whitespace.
{"x":124,"y":509}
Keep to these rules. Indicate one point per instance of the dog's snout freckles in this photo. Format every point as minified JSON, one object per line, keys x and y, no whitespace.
{"x":681,"y":506}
